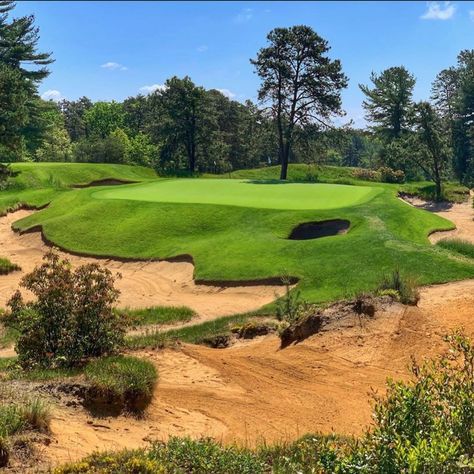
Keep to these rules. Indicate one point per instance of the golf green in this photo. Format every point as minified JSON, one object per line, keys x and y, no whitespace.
{"x":244,"y":193}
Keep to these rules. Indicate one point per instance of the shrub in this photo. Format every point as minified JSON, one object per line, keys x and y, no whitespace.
{"x":123,"y":381}
{"x":72,"y":318}
{"x":427,"y":424}
{"x":460,"y":246}
{"x":366,"y":174}
{"x":405,"y":287}
{"x":388,"y":175}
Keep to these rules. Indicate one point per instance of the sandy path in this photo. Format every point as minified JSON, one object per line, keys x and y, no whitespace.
{"x":142,"y":284}
{"x":462,"y":215}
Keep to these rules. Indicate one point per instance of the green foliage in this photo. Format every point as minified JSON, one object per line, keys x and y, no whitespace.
{"x":7,"y":267}
{"x":460,"y":246}
{"x":27,"y":414}
{"x":404,"y":286}
{"x":388,"y":104}
{"x":388,"y":175}
{"x":71,"y":318}
{"x":299,"y":81}
{"x":103,"y":118}
{"x":160,"y":315}
{"x":122,"y":377}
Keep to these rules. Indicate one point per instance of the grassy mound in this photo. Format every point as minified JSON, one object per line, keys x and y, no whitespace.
{"x":255,"y":194}
{"x":238,"y":241}
{"x":460,"y":246}
{"x":36,"y":184}
{"x":7,"y":267}
{"x":120,"y":381}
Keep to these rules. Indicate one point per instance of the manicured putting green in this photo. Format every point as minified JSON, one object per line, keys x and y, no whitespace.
{"x":266,"y":195}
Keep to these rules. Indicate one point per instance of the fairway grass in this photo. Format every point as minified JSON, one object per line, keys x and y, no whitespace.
{"x":256,"y":194}
{"x":242,"y":242}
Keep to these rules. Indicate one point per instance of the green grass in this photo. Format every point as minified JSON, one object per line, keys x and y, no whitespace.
{"x":38,"y":183}
{"x":7,"y":267}
{"x":195,"y":334}
{"x":23,"y":414}
{"x":159,"y":315}
{"x":459,"y":246}
{"x":255,"y":194}
{"x":244,"y":242}
{"x":122,"y":376}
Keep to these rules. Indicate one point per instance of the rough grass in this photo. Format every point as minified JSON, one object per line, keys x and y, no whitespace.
{"x":195,"y":334}
{"x":159,"y":315}
{"x":122,"y":376}
{"x":243,"y":243}
{"x":7,"y":267}
{"x":460,"y":246}
{"x":27,"y":414}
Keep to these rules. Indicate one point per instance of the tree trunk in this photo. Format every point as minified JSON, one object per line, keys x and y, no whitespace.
{"x":438,"y":190}
{"x":284,"y":161}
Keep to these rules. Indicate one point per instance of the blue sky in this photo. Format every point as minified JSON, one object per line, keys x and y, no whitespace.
{"x":112,"y":50}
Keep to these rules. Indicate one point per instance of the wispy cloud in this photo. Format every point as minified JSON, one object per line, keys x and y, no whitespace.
{"x":439,"y":11}
{"x":53,"y":95}
{"x":202,"y":48}
{"x":229,"y":94}
{"x":471,"y":14}
{"x":244,"y":16}
{"x":152,"y":88}
{"x":111,"y":66}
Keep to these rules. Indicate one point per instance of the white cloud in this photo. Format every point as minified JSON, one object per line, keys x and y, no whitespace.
{"x":244,"y":16}
{"x":152,"y":88}
{"x":202,"y":48}
{"x":439,"y":11}
{"x":229,"y":94}
{"x":53,"y":95}
{"x":111,"y":66}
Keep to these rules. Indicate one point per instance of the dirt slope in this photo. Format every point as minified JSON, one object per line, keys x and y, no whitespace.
{"x":143,"y":283}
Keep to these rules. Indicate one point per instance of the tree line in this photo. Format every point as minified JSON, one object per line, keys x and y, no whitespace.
{"x":182,"y":127}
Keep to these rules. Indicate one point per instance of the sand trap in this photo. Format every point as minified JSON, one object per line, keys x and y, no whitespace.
{"x":462,"y":215}
{"x":254,"y":391}
{"x":142,"y":284}
{"x":316,"y":230}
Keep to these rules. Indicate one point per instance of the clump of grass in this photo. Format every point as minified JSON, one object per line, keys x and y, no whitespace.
{"x":29,"y":414}
{"x":460,"y":246}
{"x":122,"y":379}
{"x":159,"y":315}
{"x":405,"y":287}
{"x":7,"y":267}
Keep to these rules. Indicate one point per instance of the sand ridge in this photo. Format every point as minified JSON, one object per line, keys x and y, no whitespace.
{"x":142,"y":284}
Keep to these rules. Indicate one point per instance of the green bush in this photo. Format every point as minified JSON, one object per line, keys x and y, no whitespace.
{"x":389,"y":175}
{"x":72,"y":318}
{"x":460,"y":246}
{"x":404,"y":286}
{"x":125,"y":381}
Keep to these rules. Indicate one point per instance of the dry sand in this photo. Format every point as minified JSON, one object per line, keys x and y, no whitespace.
{"x":142,"y":284}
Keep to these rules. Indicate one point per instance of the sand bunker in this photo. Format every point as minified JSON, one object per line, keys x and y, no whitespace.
{"x":462,"y":215}
{"x":142,"y":284}
{"x":316,"y":230}
{"x":254,"y":391}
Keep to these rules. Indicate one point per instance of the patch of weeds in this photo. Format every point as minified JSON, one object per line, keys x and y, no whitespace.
{"x":404,"y":287}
